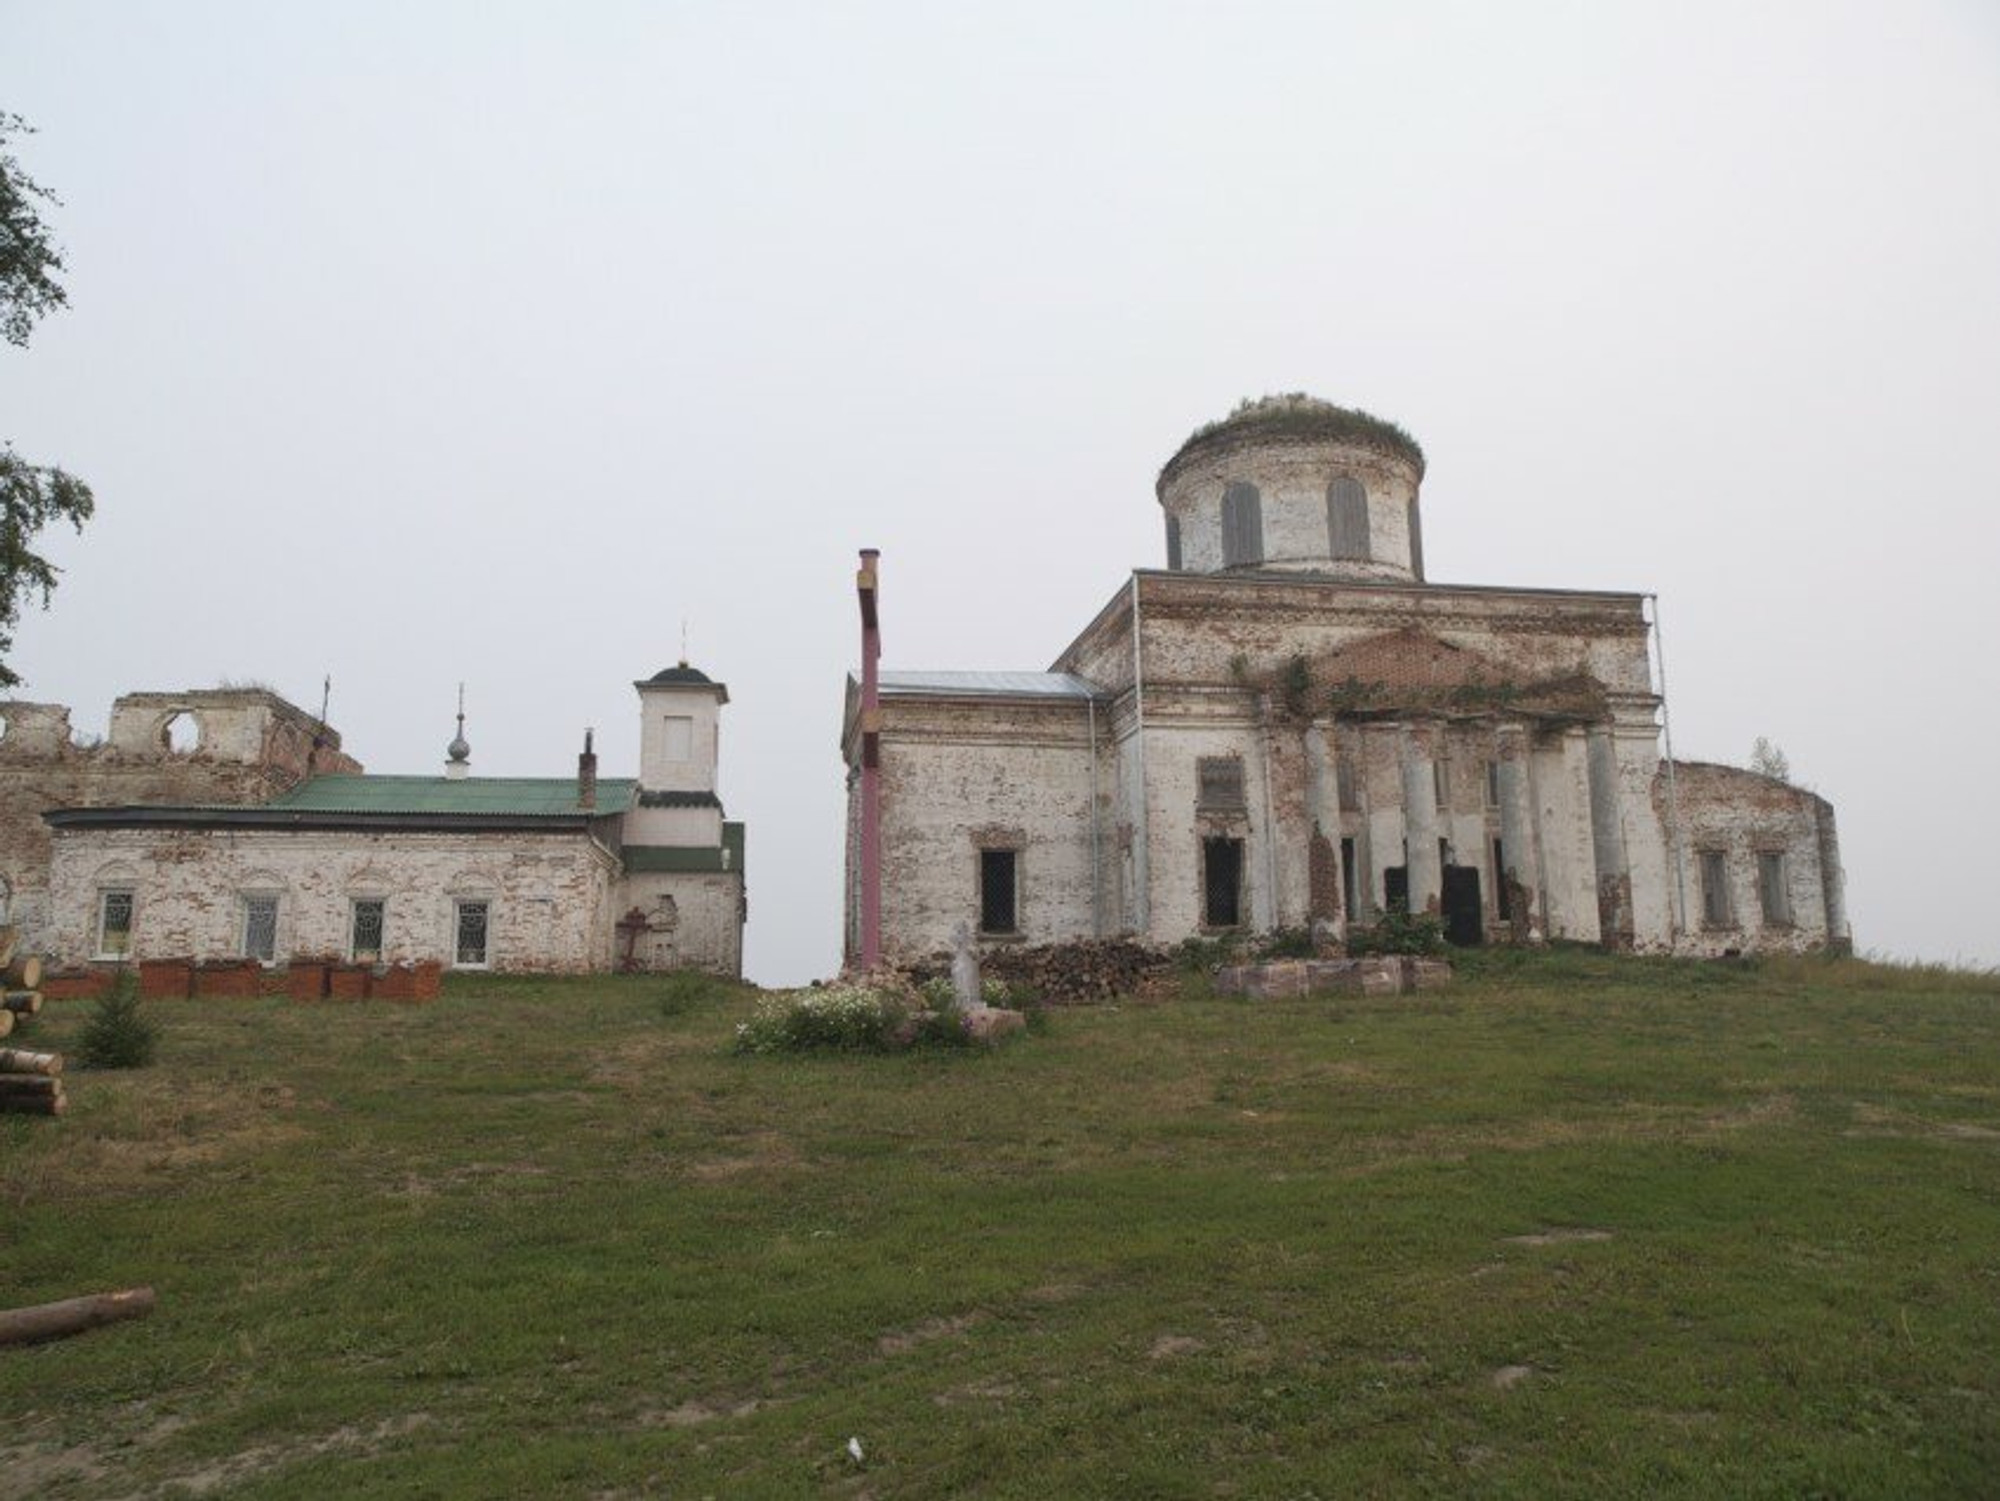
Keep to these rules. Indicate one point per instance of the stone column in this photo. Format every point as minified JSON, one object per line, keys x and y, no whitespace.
{"x":1420,"y":819}
{"x":1607,"y":839}
{"x":1323,"y":811}
{"x":1519,"y":838}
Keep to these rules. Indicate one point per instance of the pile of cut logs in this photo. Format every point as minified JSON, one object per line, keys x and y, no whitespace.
{"x":31,"y":1083}
{"x":21,"y":998}
{"x":1090,"y":969}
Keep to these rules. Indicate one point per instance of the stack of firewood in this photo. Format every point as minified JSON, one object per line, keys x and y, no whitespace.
{"x":20,"y":983}
{"x":1086,"y":970}
{"x":31,"y":1083}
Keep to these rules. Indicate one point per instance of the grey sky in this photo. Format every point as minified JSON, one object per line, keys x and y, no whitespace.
{"x":419,"y":343}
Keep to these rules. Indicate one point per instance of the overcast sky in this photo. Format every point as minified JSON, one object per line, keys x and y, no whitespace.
{"x":418,"y":343}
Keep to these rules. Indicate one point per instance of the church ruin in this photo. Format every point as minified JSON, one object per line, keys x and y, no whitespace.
{"x":1291,"y":726}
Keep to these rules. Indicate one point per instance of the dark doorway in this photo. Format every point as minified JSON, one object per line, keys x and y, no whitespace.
{"x":1396,"y":888}
{"x":1221,"y":883}
{"x":1347,"y":880}
{"x":1463,"y":916}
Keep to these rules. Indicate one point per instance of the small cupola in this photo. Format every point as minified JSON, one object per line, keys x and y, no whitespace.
{"x":458,"y":754}
{"x":680,"y":717}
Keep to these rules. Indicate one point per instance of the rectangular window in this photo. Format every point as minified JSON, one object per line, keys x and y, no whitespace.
{"x":1222,"y":883}
{"x":680,"y":738}
{"x":1492,"y":784}
{"x":1242,"y":525}
{"x":1774,"y":893}
{"x":1716,"y":911}
{"x":1174,"y":543}
{"x":365,"y":940}
{"x":1219,"y":783}
{"x":999,"y":875}
{"x":1347,"y":880}
{"x":1343,"y":781}
{"x":114,"y":924}
{"x":260,"y":928}
{"x":1441,"y":782}
{"x":470,"y":921}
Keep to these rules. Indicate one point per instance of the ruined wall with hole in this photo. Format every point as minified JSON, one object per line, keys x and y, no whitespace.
{"x":551,"y":896}
{"x":1741,"y":815}
{"x":249,"y":745}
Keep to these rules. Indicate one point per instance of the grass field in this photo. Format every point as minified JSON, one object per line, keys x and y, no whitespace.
{"x":1576,"y":1226}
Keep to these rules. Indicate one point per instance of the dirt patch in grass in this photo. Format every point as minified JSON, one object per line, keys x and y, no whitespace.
{"x":759,"y":1152}
{"x":1510,"y":1376}
{"x":693,"y":1414}
{"x":246,"y":1464}
{"x":1557,"y":1237}
{"x":1168,"y":1346}
{"x":905,"y":1340}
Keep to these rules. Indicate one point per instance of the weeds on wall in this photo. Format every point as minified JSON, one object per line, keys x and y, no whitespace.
{"x":1398,"y":933}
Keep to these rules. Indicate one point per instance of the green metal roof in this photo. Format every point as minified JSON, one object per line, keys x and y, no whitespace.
{"x":685,"y":858}
{"x":517,"y":797}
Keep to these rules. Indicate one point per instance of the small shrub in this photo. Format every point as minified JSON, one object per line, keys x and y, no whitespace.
{"x":836,"y":1018}
{"x":684,"y":990}
{"x":941,"y":995}
{"x":1398,"y":933}
{"x":117,"y":1036}
{"x":1287,"y":943}
{"x":1195,"y":955}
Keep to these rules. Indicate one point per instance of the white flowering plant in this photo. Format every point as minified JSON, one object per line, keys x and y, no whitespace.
{"x":842,"y":1018}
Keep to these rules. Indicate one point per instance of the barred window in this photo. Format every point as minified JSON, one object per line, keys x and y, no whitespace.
{"x":114,"y":924}
{"x":260,"y":928}
{"x":365,"y":946}
{"x":469,"y":947}
{"x":1219,"y":782}
{"x":999,"y":890}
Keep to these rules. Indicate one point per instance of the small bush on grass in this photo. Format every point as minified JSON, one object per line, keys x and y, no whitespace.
{"x":941,"y":995}
{"x":685,"y":989}
{"x":1195,"y":955}
{"x":838,"y":1018}
{"x":1398,"y":933}
{"x":117,"y":1036}
{"x":1287,"y":943}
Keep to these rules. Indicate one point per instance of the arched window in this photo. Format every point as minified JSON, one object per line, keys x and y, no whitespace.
{"x":6,"y":901}
{"x":1347,"y":518}
{"x":181,"y":734}
{"x":1174,"y":543}
{"x":1242,"y":525}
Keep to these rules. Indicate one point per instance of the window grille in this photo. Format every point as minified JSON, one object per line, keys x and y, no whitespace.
{"x":114,"y":925}
{"x":470,"y":947}
{"x":1347,"y":518}
{"x":1219,"y":783}
{"x":260,"y":928}
{"x":367,"y":936}
{"x":999,"y":874}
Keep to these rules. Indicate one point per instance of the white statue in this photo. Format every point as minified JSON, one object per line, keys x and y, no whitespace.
{"x":965,"y":970}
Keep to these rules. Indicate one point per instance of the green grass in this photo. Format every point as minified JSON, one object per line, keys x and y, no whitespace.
{"x":553,"y":1238}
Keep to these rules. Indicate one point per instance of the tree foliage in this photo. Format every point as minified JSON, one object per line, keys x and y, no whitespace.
{"x":1770,"y":760}
{"x":31,"y":495}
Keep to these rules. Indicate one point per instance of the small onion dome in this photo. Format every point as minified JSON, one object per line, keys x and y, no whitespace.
{"x":681,"y":674}
{"x":458,"y":750}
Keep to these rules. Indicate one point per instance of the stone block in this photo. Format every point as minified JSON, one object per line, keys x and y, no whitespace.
{"x":1230,"y":979}
{"x":1333,"y":976}
{"x":1425,"y":974}
{"x":1285,"y":981}
{"x":988,"y":1024}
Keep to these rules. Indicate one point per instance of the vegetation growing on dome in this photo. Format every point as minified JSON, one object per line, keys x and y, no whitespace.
{"x":1297,"y":415}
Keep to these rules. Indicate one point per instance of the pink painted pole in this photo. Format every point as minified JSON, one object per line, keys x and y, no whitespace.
{"x":871,"y":762}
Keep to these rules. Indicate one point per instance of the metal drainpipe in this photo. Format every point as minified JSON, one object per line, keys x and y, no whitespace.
{"x":871,"y":762}
{"x":1142,"y":870}
{"x":1673,"y":791}
{"x":1096,"y":848}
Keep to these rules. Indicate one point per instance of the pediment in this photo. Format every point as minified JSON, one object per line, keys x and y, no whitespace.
{"x":1411,"y":669}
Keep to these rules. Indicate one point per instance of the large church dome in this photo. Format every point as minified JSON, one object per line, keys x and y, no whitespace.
{"x":1296,"y":484}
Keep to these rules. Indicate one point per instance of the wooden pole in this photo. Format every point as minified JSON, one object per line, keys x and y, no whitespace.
{"x":22,"y":1002}
{"x":6,"y":1021}
{"x":21,"y":1061}
{"x":10,"y":939}
{"x":24,"y":972}
{"x":27,"y":1326}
